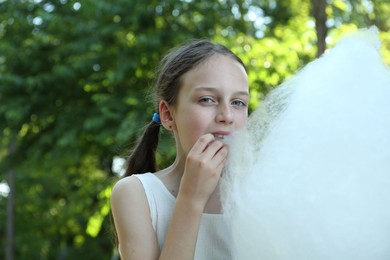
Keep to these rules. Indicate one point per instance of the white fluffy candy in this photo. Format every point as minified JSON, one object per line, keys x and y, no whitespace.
{"x":310,"y":179}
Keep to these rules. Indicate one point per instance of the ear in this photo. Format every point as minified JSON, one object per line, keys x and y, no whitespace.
{"x":166,"y":115}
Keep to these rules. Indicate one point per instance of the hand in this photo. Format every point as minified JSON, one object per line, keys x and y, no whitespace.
{"x":202,"y":170}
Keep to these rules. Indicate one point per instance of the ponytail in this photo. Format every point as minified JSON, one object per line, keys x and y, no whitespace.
{"x":143,"y":157}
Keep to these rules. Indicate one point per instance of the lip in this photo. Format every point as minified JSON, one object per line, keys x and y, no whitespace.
{"x":221,"y":133}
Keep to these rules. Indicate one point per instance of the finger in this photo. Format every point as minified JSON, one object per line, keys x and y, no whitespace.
{"x":212,"y":149}
{"x":202,"y":143}
{"x":221,"y":155}
{"x":220,"y":166}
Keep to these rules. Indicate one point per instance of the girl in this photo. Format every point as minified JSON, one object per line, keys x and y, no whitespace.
{"x":175,"y":213}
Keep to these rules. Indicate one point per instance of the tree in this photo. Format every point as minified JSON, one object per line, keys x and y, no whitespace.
{"x":73,"y":81}
{"x":319,"y":14}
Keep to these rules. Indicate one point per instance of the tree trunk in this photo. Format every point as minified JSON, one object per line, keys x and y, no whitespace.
{"x":10,"y":208}
{"x":319,"y":14}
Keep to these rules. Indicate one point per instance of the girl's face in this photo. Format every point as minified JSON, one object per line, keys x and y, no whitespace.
{"x":213,"y":99}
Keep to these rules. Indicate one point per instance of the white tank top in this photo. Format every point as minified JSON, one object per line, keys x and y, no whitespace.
{"x":214,"y":238}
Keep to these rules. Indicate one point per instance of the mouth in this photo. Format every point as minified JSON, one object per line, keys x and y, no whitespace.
{"x":219,"y":137}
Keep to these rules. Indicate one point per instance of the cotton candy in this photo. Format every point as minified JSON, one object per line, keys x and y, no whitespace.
{"x":309,"y":178}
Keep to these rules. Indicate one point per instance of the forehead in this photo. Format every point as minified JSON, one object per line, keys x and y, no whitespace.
{"x":218,"y":71}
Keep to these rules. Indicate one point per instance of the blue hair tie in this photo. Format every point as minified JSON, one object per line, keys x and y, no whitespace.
{"x":156,"y":118}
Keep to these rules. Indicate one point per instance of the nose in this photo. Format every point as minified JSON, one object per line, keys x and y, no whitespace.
{"x":224,"y":114}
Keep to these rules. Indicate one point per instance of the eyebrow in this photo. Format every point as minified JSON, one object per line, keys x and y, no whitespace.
{"x":211,"y":89}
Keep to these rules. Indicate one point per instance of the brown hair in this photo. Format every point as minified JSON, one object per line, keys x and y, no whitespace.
{"x":167,"y":86}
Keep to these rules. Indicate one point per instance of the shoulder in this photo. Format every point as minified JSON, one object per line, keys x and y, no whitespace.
{"x":130,"y":210}
{"x":126,"y":189}
{"x":125,"y":186}
{"x":128,"y":198}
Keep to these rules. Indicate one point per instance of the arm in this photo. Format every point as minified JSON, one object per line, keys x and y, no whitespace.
{"x":130,"y":210}
{"x":137,"y":239}
{"x":202,"y":171}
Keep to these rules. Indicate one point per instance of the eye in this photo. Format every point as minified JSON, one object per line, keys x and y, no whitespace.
{"x":239,"y":103}
{"x":206,"y":100}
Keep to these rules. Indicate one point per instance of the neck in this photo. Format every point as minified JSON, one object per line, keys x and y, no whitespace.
{"x":171,"y":176}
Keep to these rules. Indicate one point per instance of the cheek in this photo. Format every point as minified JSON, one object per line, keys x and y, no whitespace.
{"x":192,"y":117}
{"x":190,"y":126}
{"x":189,"y":133}
{"x":195,"y":124}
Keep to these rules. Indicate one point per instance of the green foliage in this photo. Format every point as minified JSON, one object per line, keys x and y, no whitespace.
{"x":347,"y":16}
{"x":74,"y":80}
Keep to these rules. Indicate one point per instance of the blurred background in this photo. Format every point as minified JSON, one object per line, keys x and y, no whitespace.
{"x":74,"y":84}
